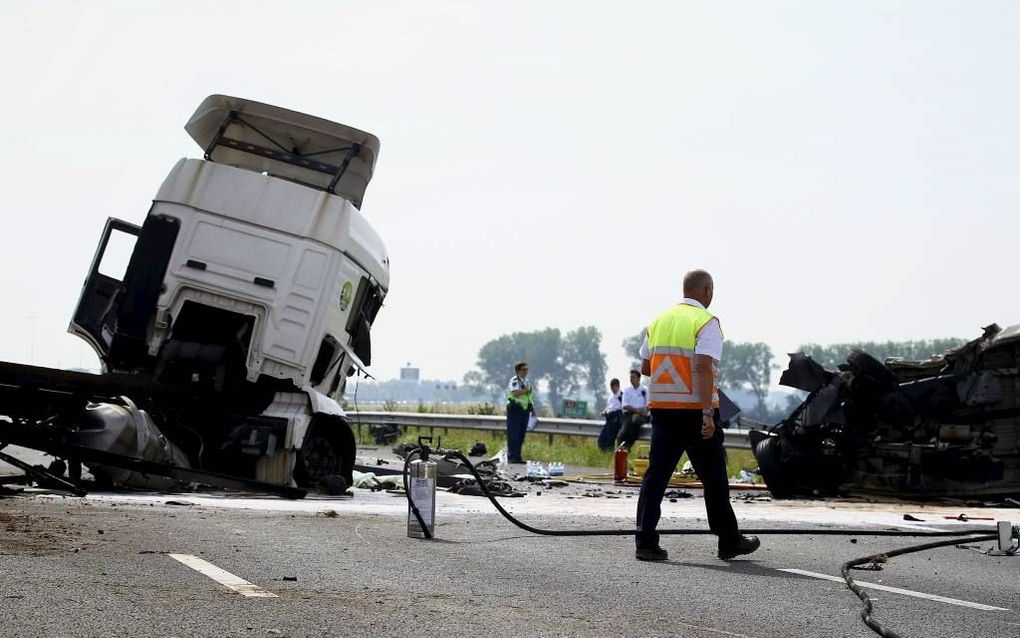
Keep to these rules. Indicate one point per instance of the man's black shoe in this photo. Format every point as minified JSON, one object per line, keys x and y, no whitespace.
{"x":515,"y":461}
{"x":746,"y":545}
{"x":651,"y":553}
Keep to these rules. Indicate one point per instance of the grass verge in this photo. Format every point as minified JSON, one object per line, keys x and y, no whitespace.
{"x":570,"y":450}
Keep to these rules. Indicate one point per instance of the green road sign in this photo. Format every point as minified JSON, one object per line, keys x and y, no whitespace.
{"x":574,"y":409}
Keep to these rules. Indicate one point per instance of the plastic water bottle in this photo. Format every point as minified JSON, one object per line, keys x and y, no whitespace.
{"x":556,"y":468}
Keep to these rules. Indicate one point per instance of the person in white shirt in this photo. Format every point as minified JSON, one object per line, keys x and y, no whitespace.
{"x":614,"y":417}
{"x":635,"y":410}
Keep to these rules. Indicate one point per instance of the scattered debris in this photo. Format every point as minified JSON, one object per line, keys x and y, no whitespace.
{"x":468,"y":486}
{"x":908,"y":517}
{"x":371,"y":481}
{"x":334,"y":485}
{"x":673,"y":495}
{"x":180,"y":503}
{"x":384,"y":434}
{"x":750,"y":497}
{"x":329,"y":514}
{"x":551,"y":483}
{"x":965,"y":518}
{"x":874,"y":566}
{"x":478,"y":449}
{"x":292,"y":579}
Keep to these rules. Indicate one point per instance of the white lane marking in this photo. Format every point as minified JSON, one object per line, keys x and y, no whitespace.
{"x":222,"y":576}
{"x":896,"y":590}
{"x":921,"y":528}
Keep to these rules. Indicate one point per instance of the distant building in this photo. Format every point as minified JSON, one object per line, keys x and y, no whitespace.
{"x":410,"y":374}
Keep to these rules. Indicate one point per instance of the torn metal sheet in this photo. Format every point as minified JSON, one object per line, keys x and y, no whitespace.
{"x":946,"y":426}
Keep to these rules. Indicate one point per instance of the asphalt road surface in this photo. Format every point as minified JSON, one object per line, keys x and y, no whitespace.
{"x":138,"y":565}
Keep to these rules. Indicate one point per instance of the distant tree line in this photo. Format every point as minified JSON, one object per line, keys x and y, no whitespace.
{"x":566,"y":364}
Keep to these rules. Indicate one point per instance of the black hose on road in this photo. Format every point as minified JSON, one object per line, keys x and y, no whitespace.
{"x":863,"y":595}
{"x":682,"y":532}
{"x":957,"y":536}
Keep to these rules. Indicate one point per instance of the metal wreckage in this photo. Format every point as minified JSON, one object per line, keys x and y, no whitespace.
{"x":944,"y":427}
{"x":226,"y":343}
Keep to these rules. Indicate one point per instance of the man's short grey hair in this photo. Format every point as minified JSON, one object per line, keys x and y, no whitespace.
{"x":696,"y":280}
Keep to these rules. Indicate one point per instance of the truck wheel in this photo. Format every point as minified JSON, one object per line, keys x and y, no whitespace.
{"x":769,"y":456}
{"x":328,"y":450}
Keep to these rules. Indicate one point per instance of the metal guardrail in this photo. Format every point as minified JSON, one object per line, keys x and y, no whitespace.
{"x":735,"y":437}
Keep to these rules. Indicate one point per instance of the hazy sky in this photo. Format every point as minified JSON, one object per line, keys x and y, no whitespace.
{"x":847,"y":170}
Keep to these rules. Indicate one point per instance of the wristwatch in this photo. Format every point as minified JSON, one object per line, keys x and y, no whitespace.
{"x":707,"y":411}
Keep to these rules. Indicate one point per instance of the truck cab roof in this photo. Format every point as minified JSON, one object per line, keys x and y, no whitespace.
{"x":303,"y":148}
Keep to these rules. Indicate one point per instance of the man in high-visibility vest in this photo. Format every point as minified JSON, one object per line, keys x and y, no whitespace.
{"x":681,"y":356}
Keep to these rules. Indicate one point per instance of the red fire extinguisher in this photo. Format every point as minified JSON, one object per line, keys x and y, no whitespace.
{"x":620,"y":464}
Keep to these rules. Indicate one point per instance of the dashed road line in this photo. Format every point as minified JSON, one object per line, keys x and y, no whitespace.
{"x":222,"y":576}
{"x":896,"y":590}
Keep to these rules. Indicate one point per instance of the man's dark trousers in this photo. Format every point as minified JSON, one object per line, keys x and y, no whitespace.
{"x":516,"y":427}
{"x":673,"y":432}
{"x":607,"y":437}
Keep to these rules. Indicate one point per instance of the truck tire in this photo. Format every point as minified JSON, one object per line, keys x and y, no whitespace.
{"x":770,"y":464}
{"x":328,"y":450}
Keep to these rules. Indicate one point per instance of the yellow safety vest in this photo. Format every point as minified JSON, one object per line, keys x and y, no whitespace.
{"x":524,"y":400}
{"x":672,"y":337}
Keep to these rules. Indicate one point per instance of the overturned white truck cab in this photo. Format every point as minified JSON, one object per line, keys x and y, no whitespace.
{"x":254,"y":281}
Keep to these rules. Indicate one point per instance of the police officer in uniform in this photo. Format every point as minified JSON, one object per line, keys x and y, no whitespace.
{"x":614,"y":417}
{"x":681,"y":355}
{"x":520,"y":404}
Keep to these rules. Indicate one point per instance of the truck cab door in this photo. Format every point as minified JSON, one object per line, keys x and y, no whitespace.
{"x":96,"y":314}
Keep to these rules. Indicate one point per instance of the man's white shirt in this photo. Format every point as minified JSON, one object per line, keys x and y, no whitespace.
{"x":710,"y":339}
{"x":615,"y":402}
{"x":636,"y":398}
{"x":517,"y":383}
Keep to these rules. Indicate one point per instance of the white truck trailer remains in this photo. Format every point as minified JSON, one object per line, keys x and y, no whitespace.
{"x":254,"y":280}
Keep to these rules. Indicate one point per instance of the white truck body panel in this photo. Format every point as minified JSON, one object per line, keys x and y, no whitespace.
{"x":242,"y":225}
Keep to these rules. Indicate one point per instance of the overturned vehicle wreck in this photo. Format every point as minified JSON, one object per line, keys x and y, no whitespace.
{"x":945,"y":427}
{"x":227,"y":341}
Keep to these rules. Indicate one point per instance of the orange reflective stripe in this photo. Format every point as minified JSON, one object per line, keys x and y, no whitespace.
{"x":674,"y":383}
{"x":672,"y":338}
